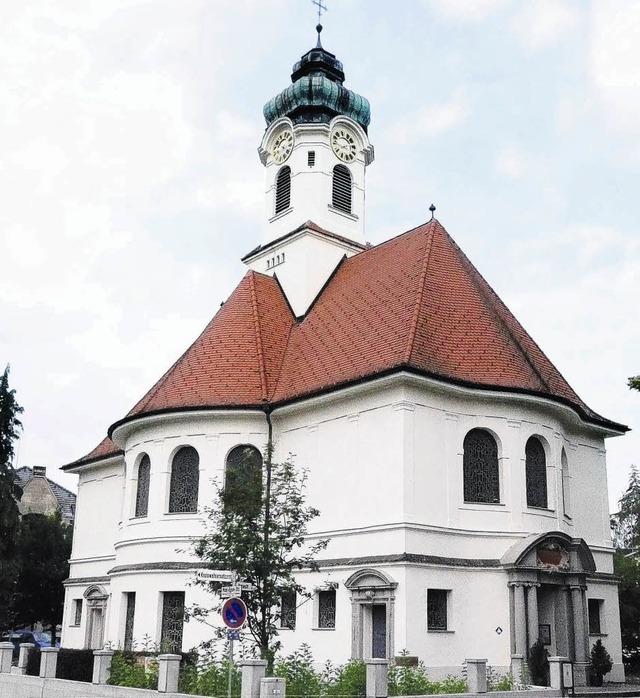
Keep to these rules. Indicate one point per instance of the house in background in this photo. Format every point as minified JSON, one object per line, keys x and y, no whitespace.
{"x":40,"y":495}
{"x":461,"y":481}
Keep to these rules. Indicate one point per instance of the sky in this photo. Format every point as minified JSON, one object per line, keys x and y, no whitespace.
{"x":131,"y":185}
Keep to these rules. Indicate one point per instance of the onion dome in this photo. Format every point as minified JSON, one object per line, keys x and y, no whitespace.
{"x":317,"y":94}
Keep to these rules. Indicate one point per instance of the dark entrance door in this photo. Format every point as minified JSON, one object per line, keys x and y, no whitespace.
{"x":379,"y":631}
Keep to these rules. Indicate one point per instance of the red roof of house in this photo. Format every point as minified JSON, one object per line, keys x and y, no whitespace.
{"x":412,"y":303}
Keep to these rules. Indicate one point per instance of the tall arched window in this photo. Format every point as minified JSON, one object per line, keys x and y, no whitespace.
{"x":480,"y":468}
{"x":536,"y":473}
{"x":242,"y":493}
{"x":283,"y":189}
{"x":566,"y":484}
{"x":142,"y":492}
{"x":341,"y":191}
{"x":183,"y":492}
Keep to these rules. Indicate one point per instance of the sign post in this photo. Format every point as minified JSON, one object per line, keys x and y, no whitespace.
{"x":234,"y":614}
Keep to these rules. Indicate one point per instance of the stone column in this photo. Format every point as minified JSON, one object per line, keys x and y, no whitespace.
{"x":519,"y":619}
{"x":476,"y":675}
{"x":532,"y":614}
{"x":253,"y":671}
{"x":48,"y":662}
{"x":23,"y":658}
{"x":580,"y":668}
{"x":272,"y":687}
{"x":101,"y":665}
{"x":168,"y":672}
{"x":517,"y":665}
{"x":6,"y":653}
{"x":377,"y":670}
{"x":555,"y":671}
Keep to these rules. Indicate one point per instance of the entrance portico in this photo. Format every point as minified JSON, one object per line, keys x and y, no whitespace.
{"x":547,"y":582}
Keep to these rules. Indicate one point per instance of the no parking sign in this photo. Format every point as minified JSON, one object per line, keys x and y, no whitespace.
{"x":234,"y":613}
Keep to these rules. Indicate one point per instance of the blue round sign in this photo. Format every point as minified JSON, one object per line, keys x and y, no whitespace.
{"x":234,"y":613}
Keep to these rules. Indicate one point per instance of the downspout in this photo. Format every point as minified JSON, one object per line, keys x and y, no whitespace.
{"x":267,"y":519}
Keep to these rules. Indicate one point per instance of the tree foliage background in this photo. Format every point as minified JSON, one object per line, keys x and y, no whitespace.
{"x":10,"y":427}
{"x":257,"y":530}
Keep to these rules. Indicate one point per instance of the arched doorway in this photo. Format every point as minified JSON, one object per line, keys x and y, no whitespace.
{"x":96,"y":599}
{"x":547,"y":578}
{"x":372,"y":624}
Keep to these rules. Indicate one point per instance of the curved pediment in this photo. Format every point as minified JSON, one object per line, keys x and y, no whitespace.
{"x":370,"y":578}
{"x":554,"y":551}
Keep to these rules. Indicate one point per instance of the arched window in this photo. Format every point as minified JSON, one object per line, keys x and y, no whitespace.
{"x":566,"y":482}
{"x":142,"y":492}
{"x":243,"y":482}
{"x":283,"y":189}
{"x":536,"y":473}
{"x":183,"y":492}
{"x":480,"y":468}
{"x":341,"y":192}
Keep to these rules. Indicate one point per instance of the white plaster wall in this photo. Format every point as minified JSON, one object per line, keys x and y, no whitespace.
{"x":607,"y":592}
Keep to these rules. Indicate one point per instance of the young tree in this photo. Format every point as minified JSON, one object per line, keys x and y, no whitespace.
{"x":626,"y":564}
{"x":257,"y":530}
{"x":43,"y":565}
{"x":9,"y":494}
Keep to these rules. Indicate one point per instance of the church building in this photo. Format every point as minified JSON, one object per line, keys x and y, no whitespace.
{"x":461,"y":481}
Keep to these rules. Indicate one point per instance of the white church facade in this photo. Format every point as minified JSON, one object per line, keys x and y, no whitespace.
{"x":461,"y":481}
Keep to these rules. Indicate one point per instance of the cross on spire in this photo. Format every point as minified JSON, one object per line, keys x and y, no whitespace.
{"x":320,"y":7}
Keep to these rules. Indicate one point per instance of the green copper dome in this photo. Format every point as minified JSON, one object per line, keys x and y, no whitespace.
{"x":317,"y":94}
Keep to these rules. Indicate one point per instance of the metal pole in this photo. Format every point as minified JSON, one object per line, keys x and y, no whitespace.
{"x":230,"y":666}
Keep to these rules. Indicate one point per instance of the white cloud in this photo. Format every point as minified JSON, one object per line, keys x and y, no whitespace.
{"x":513,"y":163}
{"x":467,"y":10}
{"x":545,"y":22}
{"x":615,"y":60}
{"x":431,"y":120}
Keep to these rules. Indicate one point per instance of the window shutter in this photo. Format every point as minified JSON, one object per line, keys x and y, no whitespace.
{"x":341,"y":194}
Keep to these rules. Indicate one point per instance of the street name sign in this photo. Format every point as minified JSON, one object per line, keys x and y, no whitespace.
{"x":235,"y":590}
{"x":216,"y":575}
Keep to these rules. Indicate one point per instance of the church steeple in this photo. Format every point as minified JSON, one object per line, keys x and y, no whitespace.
{"x":315,"y":151}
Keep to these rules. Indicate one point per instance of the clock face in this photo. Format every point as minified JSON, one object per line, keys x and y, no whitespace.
{"x":343,"y":144}
{"x":282,"y":146}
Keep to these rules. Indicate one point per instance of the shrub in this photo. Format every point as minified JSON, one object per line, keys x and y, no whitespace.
{"x":351,"y":680}
{"x":298,"y":671}
{"x":601,"y":663}
{"x":33,"y":663}
{"x":127,"y":671}
{"x":75,"y":665}
{"x":409,"y":681}
{"x":539,"y":663}
{"x":499,"y":682}
{"x":451,"y":684}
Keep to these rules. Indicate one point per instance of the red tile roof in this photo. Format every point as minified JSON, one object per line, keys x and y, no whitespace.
{"x":413,"y":303}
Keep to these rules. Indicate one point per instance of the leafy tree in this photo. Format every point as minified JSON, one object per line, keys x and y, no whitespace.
{"x":261,"y":537}
{"x":634,"y":382}
{"x":10,"y":427}
{"x":626,"y":564}
{"x":43,"y":565}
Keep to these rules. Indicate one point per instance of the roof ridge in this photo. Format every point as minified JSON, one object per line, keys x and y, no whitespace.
{"x":420,"y":295}
{"x":256,"y":325}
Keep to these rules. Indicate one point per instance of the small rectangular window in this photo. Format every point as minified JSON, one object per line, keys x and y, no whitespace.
{"x":288,"y":610}
{"x":437,"y":609}
{"x":311,"y":158}
{"x":595,"y":607}
{"x":77,"y":611}
{"x":327,"y":609}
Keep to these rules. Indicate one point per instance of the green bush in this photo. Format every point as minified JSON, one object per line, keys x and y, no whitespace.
{"x":539,"y":664}
{"x":298,"y":671}
{"x":209,"y":679}
{"x":351,"y":680}
{"x":409,"y":681}
{"x":75,"y":665}
{"x":127,"y":671}
{"x":601,"y":663}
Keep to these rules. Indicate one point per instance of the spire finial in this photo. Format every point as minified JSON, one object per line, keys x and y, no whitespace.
{"x":321,"y":8}
{"x":432,"y":208}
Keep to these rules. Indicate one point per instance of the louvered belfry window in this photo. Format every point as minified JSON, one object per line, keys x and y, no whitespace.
{"x":536,"y":473}
{"x":480,"y":468}
{"x":183,"y":493}
{"x":341,"y":192}
{"x":283,"y":189}
{"x":142,"y":493}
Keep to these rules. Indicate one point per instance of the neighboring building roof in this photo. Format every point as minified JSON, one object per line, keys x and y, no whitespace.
{"x":66,"y":499}
{"x":413,"y":303}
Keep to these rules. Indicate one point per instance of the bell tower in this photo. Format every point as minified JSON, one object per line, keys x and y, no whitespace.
{"x":315,"y":151}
